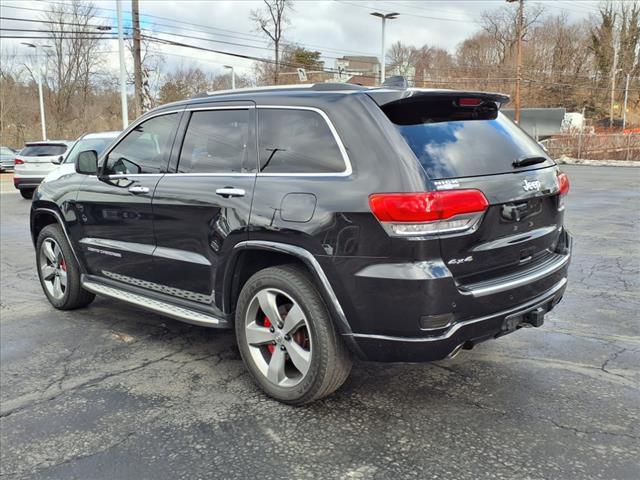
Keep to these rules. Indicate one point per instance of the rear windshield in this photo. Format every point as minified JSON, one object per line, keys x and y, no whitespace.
{"x":43,"y":150}
{"x":450,"y":144}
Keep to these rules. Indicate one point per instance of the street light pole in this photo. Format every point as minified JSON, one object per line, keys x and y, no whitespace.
{"x":233,"y":76}
{"x":40,"y":93}
{"x":123,"y":81}
{"x":384,"y":17}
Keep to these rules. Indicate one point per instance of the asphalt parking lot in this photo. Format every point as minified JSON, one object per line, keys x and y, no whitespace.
{"x":111,"y":392}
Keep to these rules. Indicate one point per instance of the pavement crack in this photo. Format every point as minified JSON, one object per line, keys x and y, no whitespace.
{"x":611,"y":358}
{"x":85,"y":384}
{"x":116,"y":444}
{"x":588,"y":432}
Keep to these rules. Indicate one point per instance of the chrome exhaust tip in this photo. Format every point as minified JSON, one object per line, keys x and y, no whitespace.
{"x":454,"y":353}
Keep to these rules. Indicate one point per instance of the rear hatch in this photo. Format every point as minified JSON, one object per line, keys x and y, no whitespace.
{"x":463,"y":142}
{"x":36,"y":159}
{"x":42,"y":152}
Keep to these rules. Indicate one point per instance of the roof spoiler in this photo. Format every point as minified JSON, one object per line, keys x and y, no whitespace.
{"x":386,"y":96}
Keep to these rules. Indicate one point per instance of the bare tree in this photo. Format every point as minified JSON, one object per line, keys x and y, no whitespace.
{"x":501,"y":25}
{"x":12,"y":106}
{"x":152,"y":63}
{"x":183,"y":83}
{"x":402,"y":58}
{"x":271,"y":21}
{"x":74,"y":60}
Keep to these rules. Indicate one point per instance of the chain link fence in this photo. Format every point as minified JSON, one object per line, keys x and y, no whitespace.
{"x":596,"y":146}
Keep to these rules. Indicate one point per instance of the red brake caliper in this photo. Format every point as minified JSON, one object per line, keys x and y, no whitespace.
{"x":267,"y":324}
{"x":63,"y":265}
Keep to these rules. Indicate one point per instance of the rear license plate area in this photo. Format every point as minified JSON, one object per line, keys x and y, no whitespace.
{"x":531,"y":318}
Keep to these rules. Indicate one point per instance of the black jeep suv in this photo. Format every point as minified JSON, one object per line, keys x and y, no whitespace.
{"x":323,"y":222}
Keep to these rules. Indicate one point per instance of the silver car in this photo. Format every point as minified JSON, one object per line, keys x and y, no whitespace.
{"x":7,"y":156}
{"x":90,"y":141}
{"x":35,"y":161}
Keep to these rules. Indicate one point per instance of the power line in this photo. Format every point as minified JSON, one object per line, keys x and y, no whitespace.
{"x":449,"y":68}
{"x":236,"y":34}
{"x":333,"y":70}
{"x":431,"y":81}
{"x":53,"y":31}
{"x":453,"y":68}
{"x":429,"y":17}
{"x":31,"y":37}
{"x":15,"y":19}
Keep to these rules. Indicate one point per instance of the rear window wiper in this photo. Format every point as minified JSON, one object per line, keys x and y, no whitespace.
{"x":528,"y":160}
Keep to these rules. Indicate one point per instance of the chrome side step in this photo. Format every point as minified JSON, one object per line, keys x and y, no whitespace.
{"x":165,"y":308}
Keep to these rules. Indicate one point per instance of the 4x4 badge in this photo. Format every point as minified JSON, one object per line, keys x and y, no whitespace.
{"x":531,"y":186}
{"x":458,"y":261}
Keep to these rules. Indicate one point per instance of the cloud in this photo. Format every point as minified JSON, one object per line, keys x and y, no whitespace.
{"x":335,"y":27}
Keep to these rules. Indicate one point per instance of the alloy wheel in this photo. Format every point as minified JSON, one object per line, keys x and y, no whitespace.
{"x":278,"y":335}
{"x":53,"y":268}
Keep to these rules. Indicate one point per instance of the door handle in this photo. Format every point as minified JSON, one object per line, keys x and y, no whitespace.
{"x":137,"y":189}
{"x":228,"y":192}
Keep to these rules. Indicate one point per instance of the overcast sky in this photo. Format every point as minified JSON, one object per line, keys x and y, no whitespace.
{"x":334,"y":27}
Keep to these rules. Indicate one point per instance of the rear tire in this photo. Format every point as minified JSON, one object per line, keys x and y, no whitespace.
{"x":27,"y":193}
{"x":314,"y":342}
{"x":59,"y":271}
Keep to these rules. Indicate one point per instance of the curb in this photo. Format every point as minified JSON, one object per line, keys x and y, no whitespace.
{"x":598,"y":163}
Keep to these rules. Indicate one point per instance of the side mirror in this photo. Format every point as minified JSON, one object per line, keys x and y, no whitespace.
{"x":57,"y":161}
{"x":87,"y":162}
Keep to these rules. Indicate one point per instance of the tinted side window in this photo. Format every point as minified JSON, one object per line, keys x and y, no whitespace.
{"x":215,"y":142}
{"x":296,"y":141}
{"x":145,"y":149}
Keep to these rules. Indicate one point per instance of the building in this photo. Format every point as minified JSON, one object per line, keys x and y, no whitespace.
{"x":359,"y":69}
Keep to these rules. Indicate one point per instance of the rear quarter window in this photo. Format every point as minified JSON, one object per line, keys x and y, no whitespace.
{"x":297,"y":141}
{"x":43,"y":150}
{"x":448,"y":145}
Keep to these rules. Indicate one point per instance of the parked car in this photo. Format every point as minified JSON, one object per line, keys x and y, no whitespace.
{"x":35,"y":161}
{"x":90,"y":141}
{"x":7,"y":158}
{"x":322,"y":222}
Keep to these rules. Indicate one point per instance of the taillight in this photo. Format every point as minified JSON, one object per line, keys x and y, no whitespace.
{"x":563,"y":183}
{"x":426,"y":213}
{"x":18,"y":161}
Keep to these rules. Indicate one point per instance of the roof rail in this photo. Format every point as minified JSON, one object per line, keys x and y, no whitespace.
{"x":334,"y":86}
{"x":320,"y":87}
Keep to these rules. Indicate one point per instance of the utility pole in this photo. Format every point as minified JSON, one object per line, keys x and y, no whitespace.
{"x":38,"y":49}
{"x":384,"y":17}
{"x":626,"y":97}
{"x":123,"y":80}
{"x":233,"y":76}
{"x":519,"y":32}
{"x":137,"y":62}
{"x":614,"y":71}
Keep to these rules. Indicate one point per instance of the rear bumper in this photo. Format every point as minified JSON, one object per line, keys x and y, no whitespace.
{"x":26,"y":183}
{"x":467,"y":333}
{"x":392,"y":319}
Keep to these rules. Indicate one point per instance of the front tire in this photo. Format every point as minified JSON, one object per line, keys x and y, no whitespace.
{"x":27,"y":193}
{"x":286,"y":337}
{"x":59,"y":271}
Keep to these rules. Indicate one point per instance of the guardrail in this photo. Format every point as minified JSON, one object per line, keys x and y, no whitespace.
{"x":595,"y":146}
